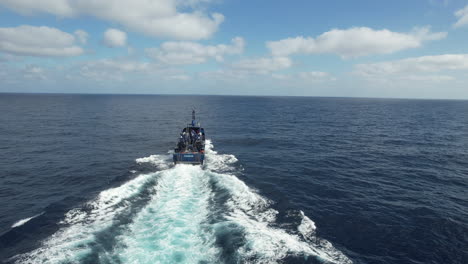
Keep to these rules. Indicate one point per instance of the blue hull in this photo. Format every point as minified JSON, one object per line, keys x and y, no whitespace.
{"x":189,"y":158}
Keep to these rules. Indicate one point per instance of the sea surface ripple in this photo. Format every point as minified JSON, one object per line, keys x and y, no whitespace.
{"x":89,"y":179}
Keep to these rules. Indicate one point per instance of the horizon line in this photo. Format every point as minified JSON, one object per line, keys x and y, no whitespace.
{"x":237,"y":95}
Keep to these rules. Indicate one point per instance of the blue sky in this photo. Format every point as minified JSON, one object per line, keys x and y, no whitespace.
{"x":409,"y":49}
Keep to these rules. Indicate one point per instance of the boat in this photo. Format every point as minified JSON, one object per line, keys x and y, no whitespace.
{"x":190,"y":148}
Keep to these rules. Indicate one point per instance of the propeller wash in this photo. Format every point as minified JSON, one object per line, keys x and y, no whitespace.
{"x":182,"y":214}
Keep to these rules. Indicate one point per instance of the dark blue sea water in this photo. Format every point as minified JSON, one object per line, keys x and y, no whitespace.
{"x":88,"y":179}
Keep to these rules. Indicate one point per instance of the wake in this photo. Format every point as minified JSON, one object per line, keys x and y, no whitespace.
{"x":181,"y":214}
{"x":24,"y":221}
{"x":172,"y":227}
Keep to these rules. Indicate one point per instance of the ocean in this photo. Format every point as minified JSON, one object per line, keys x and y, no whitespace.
{"x":89,"y":179}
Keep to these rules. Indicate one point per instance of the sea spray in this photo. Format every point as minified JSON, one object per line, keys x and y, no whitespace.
{"x":25,"y":220}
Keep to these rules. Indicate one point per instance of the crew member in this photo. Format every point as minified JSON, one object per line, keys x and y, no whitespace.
{"x":193,"y":136}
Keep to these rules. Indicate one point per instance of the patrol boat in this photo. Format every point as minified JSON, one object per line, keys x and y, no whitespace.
{"x":191,"y":146}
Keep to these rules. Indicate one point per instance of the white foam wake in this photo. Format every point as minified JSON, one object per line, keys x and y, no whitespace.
{"x":75,"y":239}
{"x":172,"y":228}
{"x":177,"y":225}
{"x":159,"y":161}
{"x":24,"y":221}
{"x":249,"y":210}
{"x":218,"y":162}
{"x":307,"y":226}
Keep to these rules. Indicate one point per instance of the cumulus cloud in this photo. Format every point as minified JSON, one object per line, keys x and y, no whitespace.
{"x":115,"y":38}
{"x":263,"y":65}
{"x":418,"y":68}
{"x":28,"y":7}
{"x":462,"y":16}
{"x":354,"y":42}
{"x":38,"y":41}
{"x":159,"y":18}
{"x":194,"y":53}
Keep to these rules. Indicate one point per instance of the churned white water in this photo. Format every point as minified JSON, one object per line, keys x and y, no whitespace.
{"x":180,"y":221}
{"x":172,"y":228}
{"x":75,"y":239}
{"x":265,"y":243}
{"x":24,"y":221}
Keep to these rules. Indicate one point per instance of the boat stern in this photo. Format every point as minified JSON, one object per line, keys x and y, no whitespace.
{"x":195,"y":158}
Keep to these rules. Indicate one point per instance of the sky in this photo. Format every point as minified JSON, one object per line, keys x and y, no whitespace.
{"x":372,"y":48}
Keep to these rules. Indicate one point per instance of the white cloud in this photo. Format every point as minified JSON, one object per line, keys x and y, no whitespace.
{"x":309,"y":76}
{"x":105,"y":70}
{"x":109,"y":69}
{"x":115,"y":38}
{"x":159,"y":18}
{"x":194,"y":53}
{"x":223,"y":75}
{"x":462,"y":16}
{"x":316,"y":76}
{"x":82,"y":36}
{"x":179,"y":77}
{"x":16,"y":74}
{"x":34,"y":72}
{"x":354,"y":42}
{"x":263,"y":65}
{"x":27,"y":7}
{"x":102,"y":72}
{"x":280,"y":76}
{"x":428,"y":78}
{"x":250,"y":68}
{"x":419,"y":68}
{"x":38,"y":41}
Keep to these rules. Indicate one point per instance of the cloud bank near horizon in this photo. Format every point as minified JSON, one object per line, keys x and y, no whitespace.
{"x":175,"y":43}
